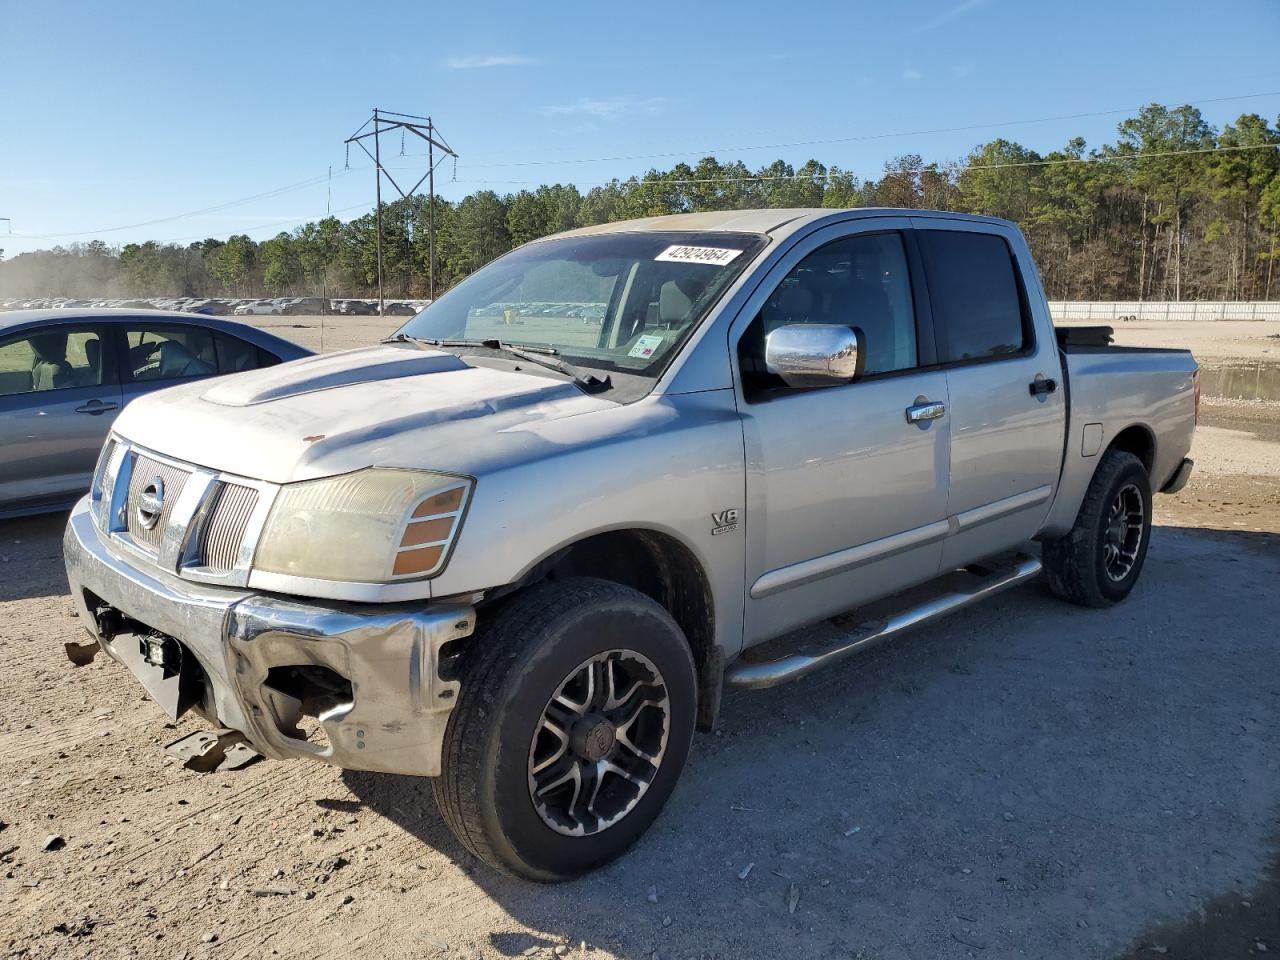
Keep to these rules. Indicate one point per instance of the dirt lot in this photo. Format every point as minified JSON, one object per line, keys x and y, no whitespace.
{"x":1024,"y":779}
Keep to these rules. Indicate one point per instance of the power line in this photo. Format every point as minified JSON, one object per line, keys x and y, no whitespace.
{"x":265,"y":195}
{"x":302,"y":184}
{"x":852,"y":139}
{"x":634,"y":181}
{"x":1112,"y":158}
{"x":292,"y":222}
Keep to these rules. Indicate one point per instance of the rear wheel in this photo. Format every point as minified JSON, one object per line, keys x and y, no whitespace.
{"x":575,"y":719}
{"x":1099,"y":561}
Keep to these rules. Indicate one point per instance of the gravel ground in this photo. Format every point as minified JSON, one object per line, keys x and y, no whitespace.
{"x":1023,"y":779}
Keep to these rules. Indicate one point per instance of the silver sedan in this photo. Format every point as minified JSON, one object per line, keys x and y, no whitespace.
{"x":65,"y":374}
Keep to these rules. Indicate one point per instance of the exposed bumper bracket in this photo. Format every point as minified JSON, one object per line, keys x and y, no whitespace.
{"x":208,"y":750}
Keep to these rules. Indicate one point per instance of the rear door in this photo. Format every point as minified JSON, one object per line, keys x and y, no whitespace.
{"x":59,"y":395}
{"x":1006,"y":408}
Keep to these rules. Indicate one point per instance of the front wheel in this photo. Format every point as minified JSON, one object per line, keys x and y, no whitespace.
{"x":1098,"y":562}
{"x":574,"y":722}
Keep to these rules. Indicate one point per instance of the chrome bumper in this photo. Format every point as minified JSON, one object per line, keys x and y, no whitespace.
{"x":389,"y":654}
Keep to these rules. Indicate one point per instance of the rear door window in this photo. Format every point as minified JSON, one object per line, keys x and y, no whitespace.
{"x":978,"y":306}
{"x":158,"y":352}
{"x":234,"y":354}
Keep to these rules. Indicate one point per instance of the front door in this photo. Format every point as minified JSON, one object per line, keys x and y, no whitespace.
{"x":58,"y":398}
{"x":846,"y":497}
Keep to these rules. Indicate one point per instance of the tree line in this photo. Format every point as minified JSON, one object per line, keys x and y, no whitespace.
{"x":1173,"y":209}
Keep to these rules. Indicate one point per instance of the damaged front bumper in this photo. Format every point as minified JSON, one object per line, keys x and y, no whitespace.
{"x":260,"y":664}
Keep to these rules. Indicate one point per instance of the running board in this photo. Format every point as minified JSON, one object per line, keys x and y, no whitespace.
{"x":757,"y":676}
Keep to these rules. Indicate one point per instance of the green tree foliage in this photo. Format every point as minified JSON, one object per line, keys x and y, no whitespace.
{"x":1171,"y":210}
{"x":233,"y":262}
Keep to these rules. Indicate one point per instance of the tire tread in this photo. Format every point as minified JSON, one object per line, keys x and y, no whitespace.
{"x":486,"y":670}
{"x":1070,"y":561}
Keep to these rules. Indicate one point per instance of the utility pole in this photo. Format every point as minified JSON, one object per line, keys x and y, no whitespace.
{"x":377,"y":193}
{"x":385,"y":121}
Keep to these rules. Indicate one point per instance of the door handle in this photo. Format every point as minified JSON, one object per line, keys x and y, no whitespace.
{"x":94,"y":407}
{"x":925,"y":410}
{"x":1041,"y":387}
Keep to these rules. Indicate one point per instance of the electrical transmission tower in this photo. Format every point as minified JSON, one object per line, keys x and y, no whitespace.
{"x":386,"y":121}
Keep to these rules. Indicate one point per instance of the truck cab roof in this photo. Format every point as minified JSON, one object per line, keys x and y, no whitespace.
{"x":777,"y":223}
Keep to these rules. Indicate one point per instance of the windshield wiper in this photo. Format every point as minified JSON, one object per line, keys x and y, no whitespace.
{"x":542,"y":356}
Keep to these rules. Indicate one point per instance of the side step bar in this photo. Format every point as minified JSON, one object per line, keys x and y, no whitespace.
{"x":758,"y":676}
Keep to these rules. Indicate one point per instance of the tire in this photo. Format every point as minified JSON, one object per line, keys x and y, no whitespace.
{"x":501,"y":789}
{"x":1098,"y":562}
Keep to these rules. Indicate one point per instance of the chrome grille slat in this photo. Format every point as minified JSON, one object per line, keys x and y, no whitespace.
{"x":144,"y":471}
{"x":224,"y":528}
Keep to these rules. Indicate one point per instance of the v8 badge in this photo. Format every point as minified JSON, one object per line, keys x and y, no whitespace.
{"x":726,"y":521}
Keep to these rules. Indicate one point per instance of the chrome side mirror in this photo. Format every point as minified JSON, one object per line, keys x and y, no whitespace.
{"x":814,"y":354}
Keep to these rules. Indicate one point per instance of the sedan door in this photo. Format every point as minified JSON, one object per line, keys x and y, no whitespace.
{"x":59,"y":395}
{"x":846,"y":495}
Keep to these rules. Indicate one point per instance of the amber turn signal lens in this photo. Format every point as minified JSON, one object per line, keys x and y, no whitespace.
{"x":427,"y":531}
{"x":447,"y":502}
{"x":417,"y":561}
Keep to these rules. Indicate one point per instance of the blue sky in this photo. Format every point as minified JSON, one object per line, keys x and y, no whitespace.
{"x":127,"y":112}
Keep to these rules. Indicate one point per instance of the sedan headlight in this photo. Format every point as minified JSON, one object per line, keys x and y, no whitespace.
{"x":373,"y":526}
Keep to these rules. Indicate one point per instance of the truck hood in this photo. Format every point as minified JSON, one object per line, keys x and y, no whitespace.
{"x":374,"y":406}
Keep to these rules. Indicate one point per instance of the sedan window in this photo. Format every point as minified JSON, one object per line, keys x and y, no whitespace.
{"x":234,"y":354}
{"x":170,"y":353}
{"x":51,"y":360}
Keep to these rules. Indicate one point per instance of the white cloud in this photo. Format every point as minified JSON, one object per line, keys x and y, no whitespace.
{"x":911,"y":73}
{"x":481,"y":61}
{"x":962,"y":70}
{"x":964,"y":8}
{"x":613,"y":107}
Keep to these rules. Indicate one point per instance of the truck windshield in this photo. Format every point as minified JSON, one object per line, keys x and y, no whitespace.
{"x":617,"y":301}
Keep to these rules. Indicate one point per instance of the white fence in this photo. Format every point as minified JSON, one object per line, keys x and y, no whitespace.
{"x":1165,"y":310}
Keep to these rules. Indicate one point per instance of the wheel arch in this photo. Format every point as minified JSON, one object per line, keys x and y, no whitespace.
{"x":660,"y":566}
{"x":1138,"y":440}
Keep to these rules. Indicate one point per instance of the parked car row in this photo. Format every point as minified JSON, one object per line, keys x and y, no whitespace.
{"x":224,"y":306}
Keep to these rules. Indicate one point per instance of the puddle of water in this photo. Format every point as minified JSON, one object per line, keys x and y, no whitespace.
{"x":1251,"y":381}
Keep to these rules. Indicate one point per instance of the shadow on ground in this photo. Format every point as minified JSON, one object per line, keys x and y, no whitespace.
{"x":1229,"y":925}
{"x":1025,"y":777}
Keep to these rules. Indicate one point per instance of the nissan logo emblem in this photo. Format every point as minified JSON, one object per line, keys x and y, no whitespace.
{"x":151,"y":503}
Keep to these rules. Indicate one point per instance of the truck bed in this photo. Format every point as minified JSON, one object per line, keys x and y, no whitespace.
{"x":1111,"y":389}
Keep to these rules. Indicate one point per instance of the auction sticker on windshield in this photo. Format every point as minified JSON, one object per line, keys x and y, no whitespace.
{"x":717,"y":256}
{"x":645,"y":346}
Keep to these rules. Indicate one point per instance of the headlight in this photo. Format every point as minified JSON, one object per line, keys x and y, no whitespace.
{"x":104,"y":480}
{"x":371,"y":526}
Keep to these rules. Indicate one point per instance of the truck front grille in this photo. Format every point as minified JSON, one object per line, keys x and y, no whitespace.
{"x":145,"y":472}
{"x":223,"y":530}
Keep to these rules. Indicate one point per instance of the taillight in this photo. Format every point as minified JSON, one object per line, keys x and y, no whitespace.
{"x":1195,"y":380}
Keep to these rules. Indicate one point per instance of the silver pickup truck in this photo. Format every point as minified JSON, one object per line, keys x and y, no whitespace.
{"x":522,"y":546}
